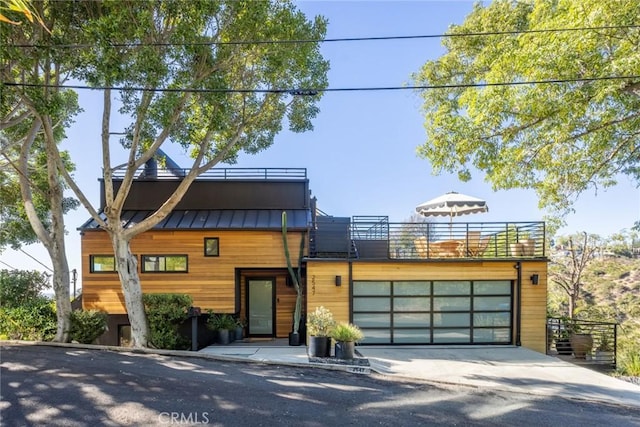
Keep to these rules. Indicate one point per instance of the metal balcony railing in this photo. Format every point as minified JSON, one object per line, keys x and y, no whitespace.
{"x":375,"y":237}
{"x":223,"y":173}
{"x":583,"y":342}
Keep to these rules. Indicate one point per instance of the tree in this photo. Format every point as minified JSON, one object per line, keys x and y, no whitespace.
{"x":557,"y":138}
{"x":32,"y":121}
{"x":19,"y":287}
{"x":567,"y":270}
{"x":191,"y":76}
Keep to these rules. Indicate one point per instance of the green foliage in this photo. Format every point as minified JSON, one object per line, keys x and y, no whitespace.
{"x":559,"y":139}
{"x":346,"y":332}
{"x":218,"y":322}
{"x":22,"y":109}
{"x":165,"y":313}
{"x":87,"y":326}
{"x":189,"y":54}
{"x":20,"y":287}
{"x":33,"y":321}
{"x":320,"y":322}
{"x":629,"y":363}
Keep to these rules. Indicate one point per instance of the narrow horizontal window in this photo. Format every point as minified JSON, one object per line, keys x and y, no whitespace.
{"x":164,"y":263}
{"x":102,"y":263}
{"x":211,"y":246}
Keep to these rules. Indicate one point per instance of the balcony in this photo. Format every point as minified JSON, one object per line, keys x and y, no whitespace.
{"x":374,"y":237}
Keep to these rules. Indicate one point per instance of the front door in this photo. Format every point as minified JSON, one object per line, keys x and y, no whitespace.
{"x":260,"y":298}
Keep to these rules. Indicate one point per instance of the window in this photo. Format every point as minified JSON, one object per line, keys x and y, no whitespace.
{"x":102,"y":263}
{"x":211,"y":246}
{"x":164,"y":263}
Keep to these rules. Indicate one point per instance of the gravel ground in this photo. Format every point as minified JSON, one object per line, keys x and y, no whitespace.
{"x":633,"y":380}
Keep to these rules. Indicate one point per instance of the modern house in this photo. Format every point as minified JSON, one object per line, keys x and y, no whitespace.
{"x":402,"y":283}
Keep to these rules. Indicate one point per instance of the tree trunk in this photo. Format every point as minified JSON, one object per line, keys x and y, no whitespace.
{"x":127,"y":267}
{"x":55,"y":244}
{"x":61,"y":290}
{"x":53,"y":237}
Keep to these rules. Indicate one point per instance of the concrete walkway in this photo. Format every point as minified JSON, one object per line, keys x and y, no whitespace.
{"x":502,"y":368}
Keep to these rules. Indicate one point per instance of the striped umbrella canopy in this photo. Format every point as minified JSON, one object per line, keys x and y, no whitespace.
{"x":452,"y":204}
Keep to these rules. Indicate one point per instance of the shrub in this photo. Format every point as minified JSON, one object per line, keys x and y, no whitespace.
{"x":320,"y":322}
{"x":629,"y":363}
{"x":347,"y":332}
{"x":33,"y":321}
{"x":87,"y":326}
{"x":217,"y":322}
{"x":165,"y":313}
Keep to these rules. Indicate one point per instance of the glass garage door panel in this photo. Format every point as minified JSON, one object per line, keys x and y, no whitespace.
{"x":492,"y":303}
{"x":497,"y":335}
{"x":411,"y":320}
{"x":371,"y":304}
{"x":451,"y":304}
{"x":492,"y":319}
{"x":371,"y":288}
{"x":411,"y":336}
{"x":411,"y":304}
{"x":411,"y":288}
{"x":451,"y":336}
{"x":451,"y":319}
{"x":372,"y":320}
{"x":377,"y":336}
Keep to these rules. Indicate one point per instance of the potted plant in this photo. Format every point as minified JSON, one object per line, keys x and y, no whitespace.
{"x":239,"y":330}
{"x":222,"y":324}
{"x":604,"y":349}
{"x":581,"y":343}
{"x":528,"y":245}
{"x":346,"y":335}
{"x":320,"y":323}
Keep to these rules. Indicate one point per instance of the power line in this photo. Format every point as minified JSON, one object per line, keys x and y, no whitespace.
{"x":315,"y":91}
{"x":36,"y":260}
{"x":13,"y":268}
{"x":341,"y":39}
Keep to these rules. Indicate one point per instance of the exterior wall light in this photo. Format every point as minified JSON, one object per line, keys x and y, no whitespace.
{"x":338,"y":280}
{"x":534,"y":279}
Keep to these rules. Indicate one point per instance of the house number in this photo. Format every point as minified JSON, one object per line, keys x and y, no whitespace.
{"x":313,"y":285}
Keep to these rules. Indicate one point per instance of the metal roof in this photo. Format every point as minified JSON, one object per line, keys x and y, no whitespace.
{"x":225,"y":219}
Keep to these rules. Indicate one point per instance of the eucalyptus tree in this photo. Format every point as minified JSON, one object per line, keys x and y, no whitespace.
{"x":575,"y":130}
{"x":213,"y":77}
{"x":34,"y":112}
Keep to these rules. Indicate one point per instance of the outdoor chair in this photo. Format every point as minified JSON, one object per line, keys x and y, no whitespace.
{"x":476,"y":244}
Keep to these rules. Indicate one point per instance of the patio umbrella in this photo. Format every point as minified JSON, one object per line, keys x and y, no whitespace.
{"x":452,"y":204}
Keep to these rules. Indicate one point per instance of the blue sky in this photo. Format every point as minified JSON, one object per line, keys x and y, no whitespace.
{"x":361,"y":157}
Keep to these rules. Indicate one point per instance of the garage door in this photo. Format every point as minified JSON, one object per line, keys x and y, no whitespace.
{"x":434,"y":312}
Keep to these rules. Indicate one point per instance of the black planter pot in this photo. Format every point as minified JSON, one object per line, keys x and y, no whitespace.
{"x":223,"y":336}
{"x":239,"y":333}
{"x":345,"y":349}
{"x":294,"y":339}
{"x":319,"y":347}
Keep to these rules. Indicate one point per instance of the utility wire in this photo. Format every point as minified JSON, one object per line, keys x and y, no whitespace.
{"x":13,"y":268}
{"x":315,"y":91}
{"x":341,"y":39}
{"x":33,"y":258}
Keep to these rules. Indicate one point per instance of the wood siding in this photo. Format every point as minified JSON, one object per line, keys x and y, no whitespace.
{"x":322,"y":290}
{"x":211,"y":281}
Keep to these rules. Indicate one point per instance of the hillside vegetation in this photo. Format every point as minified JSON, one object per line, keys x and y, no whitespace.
{"x":610,"y":292}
